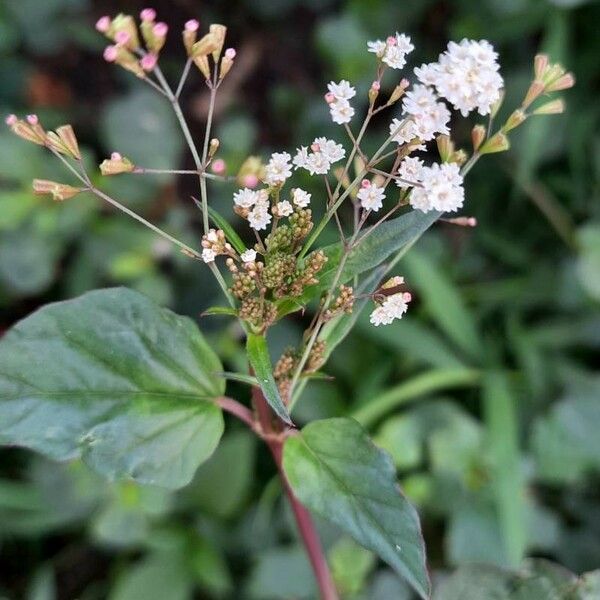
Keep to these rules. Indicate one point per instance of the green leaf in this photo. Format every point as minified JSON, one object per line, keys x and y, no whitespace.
{"x":115,"y":379}
{"x":220,"y":310}
{"x":350,"y":566}
{"x":260,"y":361}
{"x":230,"y":233}
{"x":239,"y":377}
{"x":444,"y":303}
{"x":337,"y":472}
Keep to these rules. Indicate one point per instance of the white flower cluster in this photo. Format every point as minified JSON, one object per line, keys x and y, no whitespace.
{"x":393,"y":307}
{"x":371,"y":196}
{"x":338,"y":99}
{"x":278,"y":168}
{"x":323,"y":154}
{"x":466,"y":75}
{"x":256,"y":202}
{"x":393,"y":51}
{"x":441,"y":186}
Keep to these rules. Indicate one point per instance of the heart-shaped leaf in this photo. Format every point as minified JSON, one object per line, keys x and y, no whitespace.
{"x":115,"y":379}
{"x":336,"y":471}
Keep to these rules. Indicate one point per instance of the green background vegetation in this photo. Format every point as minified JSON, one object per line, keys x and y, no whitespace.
{"x":487,"y":394}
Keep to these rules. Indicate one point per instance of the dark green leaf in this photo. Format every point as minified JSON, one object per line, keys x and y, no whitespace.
{"x":336,"y":471}
{"x":260,"y":361}
{"x":115,"y":379}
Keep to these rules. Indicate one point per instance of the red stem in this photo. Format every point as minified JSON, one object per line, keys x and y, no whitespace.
{"x":304,"y":521}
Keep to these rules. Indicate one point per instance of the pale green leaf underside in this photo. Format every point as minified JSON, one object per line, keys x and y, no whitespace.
{"x":114,"y":379}
{"x":337,"y":472}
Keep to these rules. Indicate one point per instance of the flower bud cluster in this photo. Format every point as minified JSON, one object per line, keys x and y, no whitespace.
{"x":343,"y":303}
{"x":215,"y":244}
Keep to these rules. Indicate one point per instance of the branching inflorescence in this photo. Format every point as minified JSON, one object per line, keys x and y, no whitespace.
{"x":284,"y":268}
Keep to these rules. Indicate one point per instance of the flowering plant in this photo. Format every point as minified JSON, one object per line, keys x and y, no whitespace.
{"x":136,"y":390}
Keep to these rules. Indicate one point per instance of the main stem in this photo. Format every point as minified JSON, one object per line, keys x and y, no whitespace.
{"x":304,"y":521}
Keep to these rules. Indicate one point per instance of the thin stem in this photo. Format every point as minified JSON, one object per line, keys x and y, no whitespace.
{"x":238,"y":410}
{"x":183,"y":78}
{"x":145,"y":170}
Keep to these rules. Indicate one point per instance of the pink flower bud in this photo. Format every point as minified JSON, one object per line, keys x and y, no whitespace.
{"x":122,"y":37}
{"x":329,"y":98}
{"x":391,"y":41}
{"x":116,"y":156}
{"x":218,"y":166}
{"x":103,"y":24}
{"x":230,"y":53}
{"x":315,"y":147}
{"x":406,"y":296}
{"x":365,"y":183}
{"x":148,"y":62}
{"x":11,"y":120}
{"x":160,"y":30}
{"x":376,"y":86}
{"x":250,"y":181}
{"x":148,"y":14}
{"x":110,"y":53}
{"x":32,"y":119}
{"x":404,"y":83}
{"x":192,"y":25}
{"x":472,"y":222}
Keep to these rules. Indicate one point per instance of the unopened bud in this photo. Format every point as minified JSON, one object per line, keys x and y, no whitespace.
{"x":515,"y":119}
{"x":445,"y":147}
{"x":103,"y":24}
{"x":391,"y":41}
{"x":148,"y":62}
{"x":564,"y":82}
{"x":393,"y":282}
{"x":148,"y":14}
{"x":250,"y":181}
{"x":125,"y":23}
{"x":213,"y":147}
{"x":218,"y":167}
{"x":218,"y":32}
{"x":477,"y":136}
{"x":204,"y":46}
{"x":463,"y":221}
{"x":63,"y":140}
{"x":190,"y":34}
{"x":110,"y":53}
{"x":226,"y":62}
{"x":459,"y":157}
{"x":59,"y":191}
{"x":540,"y":64}
{"x":11,"y":120}
{"x":554,"y":107}
{"x":497,"y":143}
{"x":535,"y":90}
{"x":365,"y":183}
{"x":398,"y":91}
{"x":116,"y":164}
{"x":374,"y":91}
{"x":122,"y":38}
{"x":329,"y":98}
{"x":32,"y":132}
{"x":202,"y":63}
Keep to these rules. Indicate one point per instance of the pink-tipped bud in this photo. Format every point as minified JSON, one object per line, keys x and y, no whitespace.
{"x":472,"y":222}
{"x":160,"y":30}
{"x":365,"y":183}
{"x":407,"y":296}
{"x":250,"y":181}
{"x":192,"y":25}
{"x":218,"y":166}
{"x":103,"y":24}
{"x":315,"y":147}
{"x":148,"y":14}
{"x":32,"y":119}
{"x":110,"y":53}
{"x":329,"y":98}
{"x":376,"y":86}
{"x":11,"y":120}
{"x":116,"y":156}
{"x":391,"y":41}
{"x":148,"y":62}
{"x":562,"y":83}
{"x":540,"y":64}
{"x":230,"y":53}
{"x":122,"y":37}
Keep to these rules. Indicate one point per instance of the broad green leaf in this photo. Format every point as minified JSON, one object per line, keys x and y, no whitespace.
{"x":115,"y":379}
{"x":260,"y":361}
{"x":337,"y":472}
{"x":444,"y":303}
{"x":350,"y":566}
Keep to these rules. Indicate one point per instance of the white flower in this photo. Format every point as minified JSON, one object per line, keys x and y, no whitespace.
{"x":342,"y":90}
{"x":278,"y":168}
{"x":466,"y":75}
{"x":371,"y":197}
{"x":284,"y":208}
{"x":301,"y":157}
{"x":392,"y":308}
{"x":442,"y":189}
{"x":212,"y":236}
{"x":410,"y":171}
{"x":259,"y":217}
{"x":248,"y":256}
{"x":403,"y":131}
{"x":301,"y":198}
{"x":317,"y":164}
{"x":332,"y":151}
{"x":208,"y":255}
{"x":429,"y":117}
{"x":393,"y":51}
{"x":341,"y":111}
{"x":245,"y":198}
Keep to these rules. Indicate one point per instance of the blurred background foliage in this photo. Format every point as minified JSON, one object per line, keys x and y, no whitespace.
{"x":487,"y":394}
